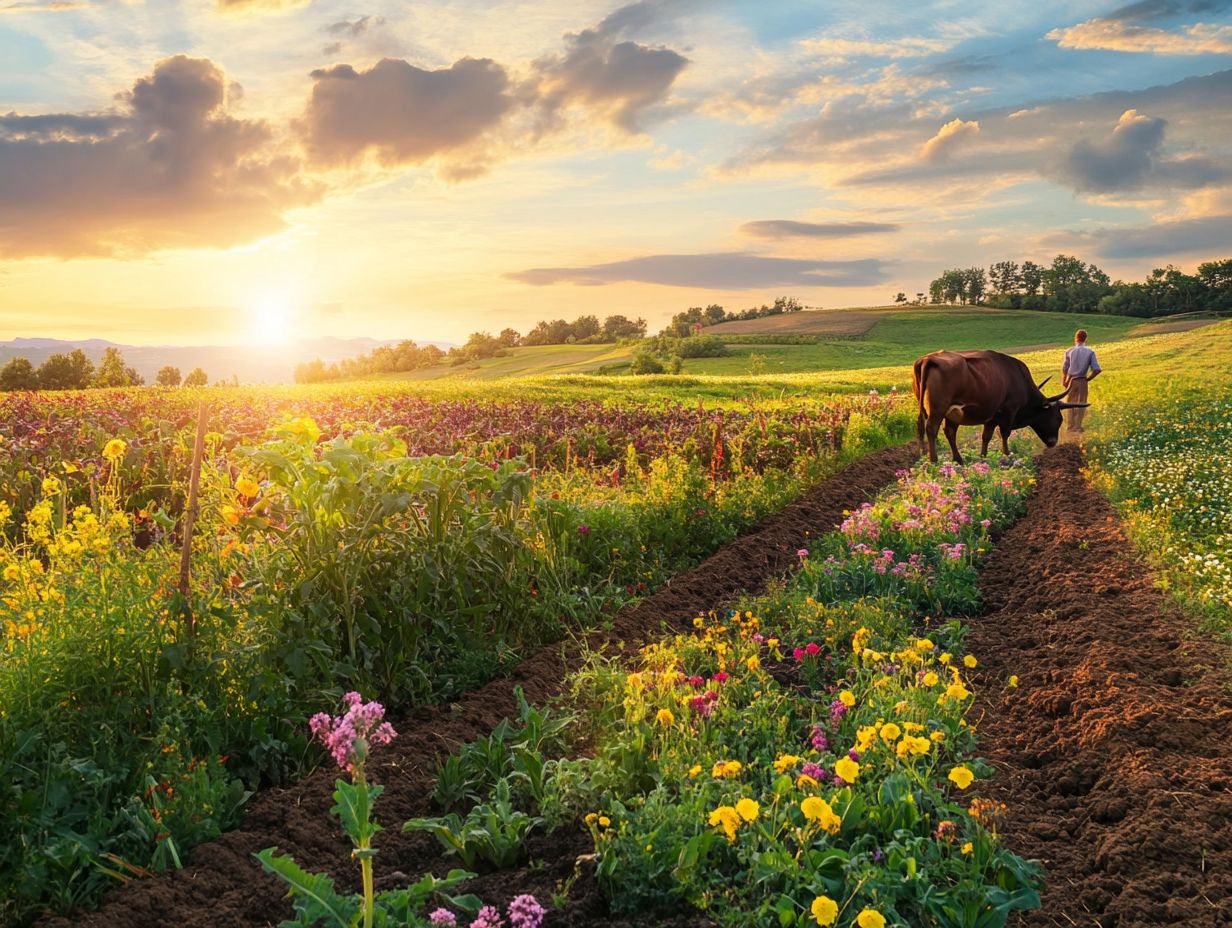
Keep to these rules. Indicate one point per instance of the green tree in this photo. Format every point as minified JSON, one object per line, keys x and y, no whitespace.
{"x":900,"y":297}
{"x":19,"y":374}
{"x":168,"y":376}
{"x":72,"y":371}
{"x":509,"y":338}
{"x":113,"y":372}
{"x":1032,"y":277}
{"x":1005,"y":277}
{"x":196,"y":378}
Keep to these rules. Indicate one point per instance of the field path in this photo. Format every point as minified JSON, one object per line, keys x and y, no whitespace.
{"x":223,"y":887}
{"x":1114,"y":754}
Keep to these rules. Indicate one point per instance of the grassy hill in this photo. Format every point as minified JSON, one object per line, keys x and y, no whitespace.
{"x":847,"y":340}
{"x":885,"y":336}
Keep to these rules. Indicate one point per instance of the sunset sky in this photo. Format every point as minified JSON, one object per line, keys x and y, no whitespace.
{"x":194,"y":172}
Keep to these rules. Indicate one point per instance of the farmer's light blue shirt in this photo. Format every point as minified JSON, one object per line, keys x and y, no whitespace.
{"x":1080,"y":362}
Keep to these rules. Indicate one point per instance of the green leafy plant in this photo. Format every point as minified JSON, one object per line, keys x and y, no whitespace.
{"x":349,"y":738}
{"x":494,"y":831}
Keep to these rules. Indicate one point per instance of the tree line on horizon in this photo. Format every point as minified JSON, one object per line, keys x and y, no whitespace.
{"x":75,"y":371}
{"x":408,"y":356}
{"x":1071,"y":285}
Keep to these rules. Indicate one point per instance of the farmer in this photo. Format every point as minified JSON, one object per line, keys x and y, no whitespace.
{"x":1079,"y":369}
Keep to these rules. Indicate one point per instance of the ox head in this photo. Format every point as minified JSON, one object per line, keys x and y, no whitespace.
{"x":1044,"y":418}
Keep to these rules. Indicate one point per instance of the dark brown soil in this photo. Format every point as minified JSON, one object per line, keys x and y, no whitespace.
{"x":222,"y":886}
{"x":1114,"y":754}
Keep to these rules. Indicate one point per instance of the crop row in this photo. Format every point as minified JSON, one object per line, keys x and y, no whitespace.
{"x":134,"y":719}
{"x":804,"y":759}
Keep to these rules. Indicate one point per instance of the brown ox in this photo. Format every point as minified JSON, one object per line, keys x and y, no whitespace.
{"x":985,"y":388}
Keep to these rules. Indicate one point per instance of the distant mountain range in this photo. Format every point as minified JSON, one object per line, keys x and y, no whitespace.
{"x":250,"y":363}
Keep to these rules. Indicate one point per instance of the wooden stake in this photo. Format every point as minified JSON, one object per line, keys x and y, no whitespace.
{"x":190,"y":517}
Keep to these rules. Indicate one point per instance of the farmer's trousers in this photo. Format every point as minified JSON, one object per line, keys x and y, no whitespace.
{"x":1077,"y":394}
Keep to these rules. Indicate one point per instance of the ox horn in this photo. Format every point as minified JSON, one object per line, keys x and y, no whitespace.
{"x":1040,"y":386}
{"x":1072,"y":405}
{"x":1056,"y":399}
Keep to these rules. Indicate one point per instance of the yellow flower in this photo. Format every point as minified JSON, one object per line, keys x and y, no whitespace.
{"x":748,"y":809}
{"x":695,"y":771}
{"x":114,"y":449}
{"x":804,"y":781}
{"x":889,"y":732}
{"x":591,"y":818}
{"x":753,"y":663}
{"x":957,"y":691}
{"x":968,"y":848}
{"x":931,"y":679}
{"x":772,"y":642}
{"x":12,"y":572}
{"x":728,"y":819}
{"x":961,"y":777}
{"x":847,"y":698}
{"x":870,"y":918}
{"x":604,"y":821}
{"x":1013,"y":679}
{"x":937,"y":736}
{"x":665,"y":718}
{"x":924,"y":644}
{"x":945,"y":658}
{"x":817,"y":810}
{"x":51,"y":486}
{"x":865,"y":737}
{"x":969,"y":661}
{"x":848,"y":769}
{"x":785,"y":763}
{"x":246,"y":486}
{"x":824,"y":910}
{"x":727,"y":768}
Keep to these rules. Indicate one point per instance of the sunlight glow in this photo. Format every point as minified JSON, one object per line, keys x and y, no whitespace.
{"x":272,"y":322}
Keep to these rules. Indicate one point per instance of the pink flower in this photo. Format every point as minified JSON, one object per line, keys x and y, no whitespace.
{"x":583,"y":529}
{"x":349,"y":737}
{"x":812,"y":649}
{"x":720,"y":677}
{"x":798,"y":653}
{"x":802,"y":553}
{"x":489,"y":917}
{"x":443,"y":917}
{"x":526,"y":912}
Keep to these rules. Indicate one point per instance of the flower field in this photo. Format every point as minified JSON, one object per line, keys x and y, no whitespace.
{"x":805,"y":759}
{"x":410,"y":548}
{"x":1169,"y":474}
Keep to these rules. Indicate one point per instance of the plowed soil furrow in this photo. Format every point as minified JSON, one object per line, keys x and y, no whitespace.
{"x":1114,"y":754}
{"x":223,"y":887}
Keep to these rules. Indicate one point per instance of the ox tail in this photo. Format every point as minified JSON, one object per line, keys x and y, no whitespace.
{"x":919,"y":386}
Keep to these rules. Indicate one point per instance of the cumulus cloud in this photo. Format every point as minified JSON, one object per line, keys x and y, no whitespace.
{"x":789,"y":228}
{"x":1131,"y":157}
{"x":1120,"y":36}
{"x":1121,"y":162}
{"x":612,"y":76}
{"x":401,"y":114}
{"x":948,"y":137}
{"x":170,"y":169}
{"x":716,"y":271}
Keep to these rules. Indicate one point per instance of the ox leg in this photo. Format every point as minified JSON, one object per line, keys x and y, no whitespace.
{"x":951,"y":435}
{"x":933,"y":426}
{"x":1005,"y":439}
{"x":986,"y":437}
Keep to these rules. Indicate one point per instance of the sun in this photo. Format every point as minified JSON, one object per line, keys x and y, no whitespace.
{"x":272,"y":322}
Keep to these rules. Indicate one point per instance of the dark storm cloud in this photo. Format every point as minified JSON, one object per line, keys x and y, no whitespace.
{"x":172,"y":168}
{"x":721,"y":271}
{"x":789,"y":228}
{"x":403,"y":114}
